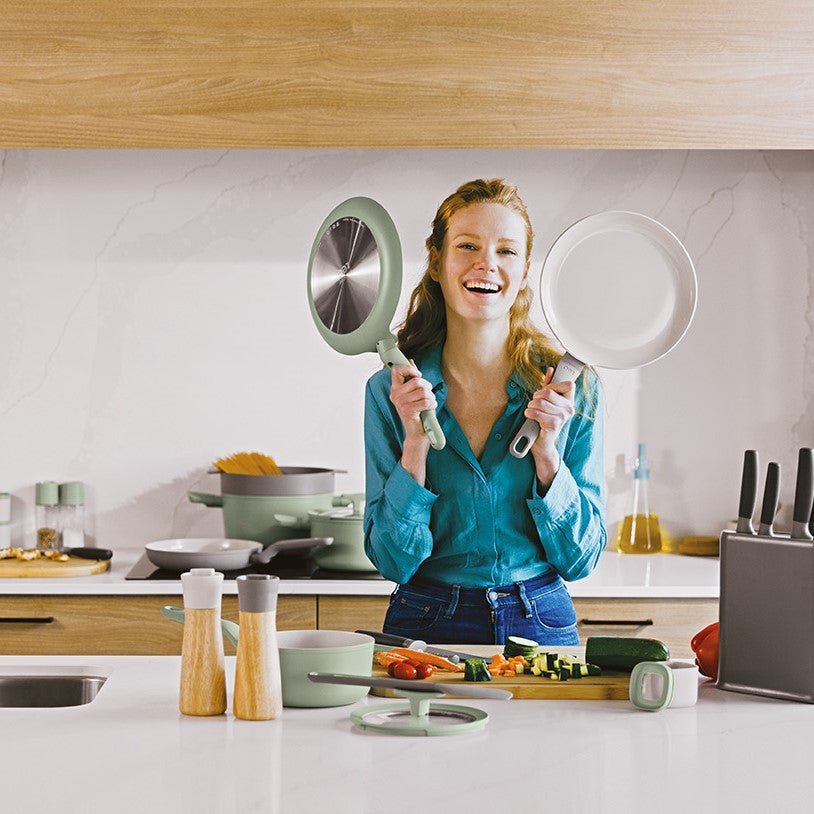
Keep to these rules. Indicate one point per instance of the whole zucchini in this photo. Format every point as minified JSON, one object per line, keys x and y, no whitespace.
{"x":623,"y":653}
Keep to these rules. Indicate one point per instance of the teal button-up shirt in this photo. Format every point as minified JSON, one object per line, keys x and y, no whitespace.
{"x":481,"y":523}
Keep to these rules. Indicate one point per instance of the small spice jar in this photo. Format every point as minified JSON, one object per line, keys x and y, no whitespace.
{"x":72,"y":514}
{"x":47,"y":516}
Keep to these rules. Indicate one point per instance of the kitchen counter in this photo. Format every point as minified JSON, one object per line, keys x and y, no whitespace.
{"x":617,"y":575}
{"x":132,"y":751}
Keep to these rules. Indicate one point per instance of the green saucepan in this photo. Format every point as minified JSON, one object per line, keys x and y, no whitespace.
{"x":306,"y":651}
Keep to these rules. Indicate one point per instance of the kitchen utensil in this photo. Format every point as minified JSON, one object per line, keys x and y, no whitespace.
{"x":46,"y":569}
{"x":618,"y":290}
{"x":770,"y":493}
{"x":608,"y":686}
{"x":748,"y":496}
{"x":676,"y":685}
{"x":354,"y":283}
{"x":87,"y":553}
{"x":248,"y":463}
{"x":420,"y":715}
{"x":417,"y":685}
{"x":203,"y":676}
{"x":305,"y":651}
{"x":419,"y":645}
{"x":250,"y":502}
{"x":221,"y":553}
{"x":258,"y":684}
{"x":803,"y":495}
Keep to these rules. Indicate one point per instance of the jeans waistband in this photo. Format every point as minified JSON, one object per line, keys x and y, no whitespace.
{"x":486,"y":595}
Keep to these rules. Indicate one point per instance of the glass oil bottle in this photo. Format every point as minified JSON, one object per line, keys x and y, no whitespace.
{"x":639,"y":532}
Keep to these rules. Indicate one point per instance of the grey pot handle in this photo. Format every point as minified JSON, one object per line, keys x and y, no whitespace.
{"x":213,"y":501}
{"x":567,"y":370}
{"x":411,"y":686}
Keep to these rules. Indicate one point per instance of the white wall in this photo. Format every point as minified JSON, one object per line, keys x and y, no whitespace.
{"x":153,"y":317}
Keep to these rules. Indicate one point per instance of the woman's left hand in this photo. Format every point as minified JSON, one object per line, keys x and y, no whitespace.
{"x":551,"y":406}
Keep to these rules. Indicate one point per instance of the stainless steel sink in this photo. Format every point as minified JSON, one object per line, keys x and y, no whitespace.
{"x":49,"y":690}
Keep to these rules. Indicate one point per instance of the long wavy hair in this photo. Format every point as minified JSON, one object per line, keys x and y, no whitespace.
{"x":425,"y":325}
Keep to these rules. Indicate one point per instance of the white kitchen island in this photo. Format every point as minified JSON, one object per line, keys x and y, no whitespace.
{"x":130,"y":750}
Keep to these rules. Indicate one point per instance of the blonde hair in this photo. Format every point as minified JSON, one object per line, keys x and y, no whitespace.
{"x":425,"y":325}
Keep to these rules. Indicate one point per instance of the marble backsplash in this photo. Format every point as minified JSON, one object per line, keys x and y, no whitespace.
{"x":153,"y":317}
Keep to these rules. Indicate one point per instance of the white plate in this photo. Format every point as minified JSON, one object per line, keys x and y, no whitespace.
{"x":618,"y":290}
{"x":220,"y":553}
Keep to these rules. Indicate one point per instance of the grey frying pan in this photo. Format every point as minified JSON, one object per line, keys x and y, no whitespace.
{"x":354,"y":283}
{"x":618,"y":290}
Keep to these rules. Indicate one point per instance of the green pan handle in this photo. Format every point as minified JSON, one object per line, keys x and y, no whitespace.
{"x":230,"y":629}
{"x":392,"y":356}
{"x":213,"y":501}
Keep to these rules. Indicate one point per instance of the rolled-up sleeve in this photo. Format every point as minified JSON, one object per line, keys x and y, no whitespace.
{"x":397,"y":509}
{"x":570,"y":517}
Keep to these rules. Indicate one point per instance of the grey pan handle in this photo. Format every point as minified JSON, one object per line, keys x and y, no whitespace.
{"x":567,"y":370}
{"x":803,"y":495}
{"x":419,"y":685}
{"x":392,"y":356}
{"x":266,"y":555}
{"x":770,"y":493}
{"x":746,"y":507}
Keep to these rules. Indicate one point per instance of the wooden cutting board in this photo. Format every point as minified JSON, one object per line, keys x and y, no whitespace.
{"x":608,"y":686}
{"x":40,"y":569}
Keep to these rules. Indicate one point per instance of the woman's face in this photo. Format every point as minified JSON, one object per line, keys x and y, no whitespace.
{"x":483,"y":262}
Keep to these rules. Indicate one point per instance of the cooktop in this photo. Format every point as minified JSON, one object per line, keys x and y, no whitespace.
{"x":283,"y":567}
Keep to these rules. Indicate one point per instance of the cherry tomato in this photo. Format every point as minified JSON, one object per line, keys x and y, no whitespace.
{"x":391,"y":667}
{"x":423,"y":671}
{"x":404,"y":671}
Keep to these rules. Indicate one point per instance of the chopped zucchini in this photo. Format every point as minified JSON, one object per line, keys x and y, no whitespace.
{"x":623,"y":653}
{"x":476,"y":670}
{"x":518,"y":646}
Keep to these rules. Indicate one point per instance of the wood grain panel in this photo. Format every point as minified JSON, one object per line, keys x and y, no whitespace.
{"x":403,"y":73}
{"x":351,"y":612}
{"x":118,"y":625}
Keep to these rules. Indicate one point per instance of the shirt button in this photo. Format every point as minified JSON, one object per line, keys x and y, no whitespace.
{"x":498,"y":436}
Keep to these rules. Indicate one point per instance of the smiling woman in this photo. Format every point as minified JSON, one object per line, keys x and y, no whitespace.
{"x":480,"y":541}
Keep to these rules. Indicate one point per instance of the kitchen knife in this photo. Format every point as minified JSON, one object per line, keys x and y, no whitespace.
{"x":748,"y":493}
{"x":419,"y":645}
{"x":89,"y":553}
{"x":770,"y":493}
{"x":416,"y":685}
{"x":803,"y":495}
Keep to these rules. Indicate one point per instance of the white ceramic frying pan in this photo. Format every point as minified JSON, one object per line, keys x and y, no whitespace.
{"x":618,"y":290}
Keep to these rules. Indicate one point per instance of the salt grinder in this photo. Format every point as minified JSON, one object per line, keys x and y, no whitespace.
{"x":203,"y":679}
{"x":258,"y":688}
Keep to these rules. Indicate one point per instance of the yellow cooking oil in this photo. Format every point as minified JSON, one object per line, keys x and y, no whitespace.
{"x":640,"y":532}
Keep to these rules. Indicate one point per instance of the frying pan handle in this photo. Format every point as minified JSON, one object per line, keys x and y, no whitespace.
{"x":567,"y":370}
{"x":392,"y":356}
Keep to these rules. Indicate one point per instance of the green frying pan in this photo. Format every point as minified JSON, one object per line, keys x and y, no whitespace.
{"x":354,"y":283}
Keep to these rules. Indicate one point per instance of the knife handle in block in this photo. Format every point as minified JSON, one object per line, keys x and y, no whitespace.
{"x":748,"y":493}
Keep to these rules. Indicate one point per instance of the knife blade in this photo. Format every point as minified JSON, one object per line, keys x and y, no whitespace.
{"x":411,"y":686}
{"x":770,"y":494}
{"x":803,"y":495}
{"x":454,"y":656}
{"x":748,"y":493}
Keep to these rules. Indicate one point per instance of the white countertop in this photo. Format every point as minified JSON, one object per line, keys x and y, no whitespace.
{"x":617,"y":575}
{"x":131,"y":751}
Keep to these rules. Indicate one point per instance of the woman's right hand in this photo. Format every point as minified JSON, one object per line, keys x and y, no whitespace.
{"x":410,"y":394}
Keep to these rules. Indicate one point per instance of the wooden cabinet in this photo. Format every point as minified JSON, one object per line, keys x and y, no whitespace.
{"x":673,"y":621}
{"x":303,"y":73}
{"x":115,"y":625}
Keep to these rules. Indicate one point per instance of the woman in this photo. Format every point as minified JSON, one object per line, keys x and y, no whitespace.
{"x":478,"y":540}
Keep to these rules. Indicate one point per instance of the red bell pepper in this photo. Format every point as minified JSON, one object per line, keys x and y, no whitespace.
{"x":705,"y":646}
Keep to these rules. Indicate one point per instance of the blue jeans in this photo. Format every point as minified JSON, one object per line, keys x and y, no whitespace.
{"x":539,"y":608}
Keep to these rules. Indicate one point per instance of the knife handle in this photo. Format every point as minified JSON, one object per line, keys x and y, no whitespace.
{"x":393,"y":641}
{"x":89,"y":553}
{"x":770,"y":493}
{"x":748,"y":493}
{"x":803,"y":495}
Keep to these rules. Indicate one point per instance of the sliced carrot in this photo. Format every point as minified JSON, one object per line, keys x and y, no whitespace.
{"x":427,"y":658}
{"x":384,"y":657}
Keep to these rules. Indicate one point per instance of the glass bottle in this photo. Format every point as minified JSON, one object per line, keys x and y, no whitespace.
{"x":72,"y":514}
{"x":46,"y":511}
{"x":639,"y":532}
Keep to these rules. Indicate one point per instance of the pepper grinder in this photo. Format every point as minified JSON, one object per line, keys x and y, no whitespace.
{"x":203,"y":678}
{"x":258,"y":687}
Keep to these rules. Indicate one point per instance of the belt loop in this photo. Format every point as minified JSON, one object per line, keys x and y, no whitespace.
{"x":521,"y":589}
{"x":453,"y":601}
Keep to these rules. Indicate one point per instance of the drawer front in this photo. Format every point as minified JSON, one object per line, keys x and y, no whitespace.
{"x":352,"y":612}
{"x":672,"y":621}
{"x":116,"y":625}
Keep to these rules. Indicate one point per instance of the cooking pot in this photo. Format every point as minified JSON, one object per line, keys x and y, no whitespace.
{"x":345,"y":526}
{"x":250,"y":502}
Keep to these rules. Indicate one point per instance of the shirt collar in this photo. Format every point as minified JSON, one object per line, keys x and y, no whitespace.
{"x":430,"y":367}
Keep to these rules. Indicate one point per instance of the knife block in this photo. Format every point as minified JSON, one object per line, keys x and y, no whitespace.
{"x":767,"y":616}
